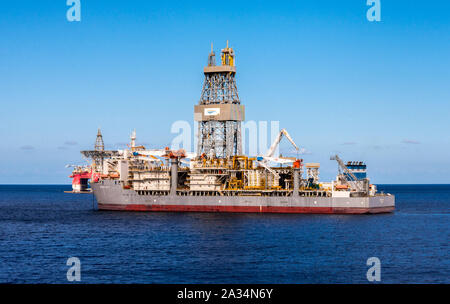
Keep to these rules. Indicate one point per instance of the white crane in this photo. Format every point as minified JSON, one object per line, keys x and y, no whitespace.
{"x":155,"y":155}
{"x":263,"y":164}
{"x":277,"y":142}
{"x":264,"y":160}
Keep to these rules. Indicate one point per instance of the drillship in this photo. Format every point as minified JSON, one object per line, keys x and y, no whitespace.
{"x":219,"y":178}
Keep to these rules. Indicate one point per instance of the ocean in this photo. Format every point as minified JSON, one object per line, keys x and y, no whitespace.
{"x":41,"y":227}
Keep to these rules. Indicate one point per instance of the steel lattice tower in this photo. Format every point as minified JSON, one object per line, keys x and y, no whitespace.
{"x":219,"y":111}
{"x":99,"y":145}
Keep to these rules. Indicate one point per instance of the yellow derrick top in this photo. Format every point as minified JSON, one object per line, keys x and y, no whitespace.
{"x":228,"y":56}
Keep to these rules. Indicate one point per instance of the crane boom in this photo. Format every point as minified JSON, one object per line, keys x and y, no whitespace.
{"x":263,"y":161}
{"x":277,"y":141}
{"x":344,"y":167}
{"x":263,"y":164}
{"x":347,"y":171}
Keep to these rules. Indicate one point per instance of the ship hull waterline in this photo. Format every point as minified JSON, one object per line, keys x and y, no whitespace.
{"x":112,"y":196}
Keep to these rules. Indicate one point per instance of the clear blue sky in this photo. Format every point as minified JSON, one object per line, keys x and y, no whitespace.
{"x":377,"y":91}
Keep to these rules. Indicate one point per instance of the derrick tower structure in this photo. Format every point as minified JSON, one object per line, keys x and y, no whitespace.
{"x":219,"y":112}
{"x":99,"y":148}
{"x":99,"y":144}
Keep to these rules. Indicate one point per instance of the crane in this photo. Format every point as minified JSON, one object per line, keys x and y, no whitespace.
{"x":263,"y":164}
{"x":277,"y":142}
{"x":264,"y":160}
{"x":152,"y":155}
{"x":348,"y":174}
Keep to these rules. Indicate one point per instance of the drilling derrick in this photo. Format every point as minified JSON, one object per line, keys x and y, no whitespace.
{"x":219,"y":112}
{"x":99,"y":145}
{"x":99,"y":154}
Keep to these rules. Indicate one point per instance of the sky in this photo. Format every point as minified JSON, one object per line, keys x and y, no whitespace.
{"x":371,"y":91}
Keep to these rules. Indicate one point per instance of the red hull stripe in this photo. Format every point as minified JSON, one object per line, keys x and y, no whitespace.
{"x":253,"y":209}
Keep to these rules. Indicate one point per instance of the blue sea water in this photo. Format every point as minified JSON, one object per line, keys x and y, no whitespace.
{"x":41,"y":227}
